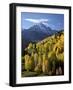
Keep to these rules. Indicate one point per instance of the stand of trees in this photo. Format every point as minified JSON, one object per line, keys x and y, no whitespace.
{"x":46,"y":56}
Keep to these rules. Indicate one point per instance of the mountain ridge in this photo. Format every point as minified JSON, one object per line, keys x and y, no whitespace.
{"x":36,"y":33}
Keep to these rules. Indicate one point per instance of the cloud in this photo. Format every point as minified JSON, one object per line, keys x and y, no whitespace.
{"x":45,"y":23}
{"x":37,"y":20}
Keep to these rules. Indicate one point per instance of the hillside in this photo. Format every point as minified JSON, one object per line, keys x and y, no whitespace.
{"x":45,"y":57}
{"x":35,"y":33}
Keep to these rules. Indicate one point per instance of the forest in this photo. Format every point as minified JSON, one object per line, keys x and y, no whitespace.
{"x":44,"y":58}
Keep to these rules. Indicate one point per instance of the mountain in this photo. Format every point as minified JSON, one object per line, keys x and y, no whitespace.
{"x":36,"y":33}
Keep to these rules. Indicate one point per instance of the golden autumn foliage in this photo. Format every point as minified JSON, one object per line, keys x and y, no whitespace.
{"x":45,"y":56}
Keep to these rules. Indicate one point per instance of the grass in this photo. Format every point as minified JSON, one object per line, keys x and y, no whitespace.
{"x":29,"y":74}
{"x":33,"y":74}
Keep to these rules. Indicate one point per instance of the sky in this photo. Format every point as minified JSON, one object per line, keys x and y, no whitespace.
{"x":54,"y":21}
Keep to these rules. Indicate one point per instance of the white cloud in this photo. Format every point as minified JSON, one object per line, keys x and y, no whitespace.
{"x":45,"y":23}
{"x":37,"y":20}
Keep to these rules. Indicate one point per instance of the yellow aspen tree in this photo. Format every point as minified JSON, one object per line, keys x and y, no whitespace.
{"x":27,"y":62}
{"x":35,"y":59}
{"x":45,"y":64}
